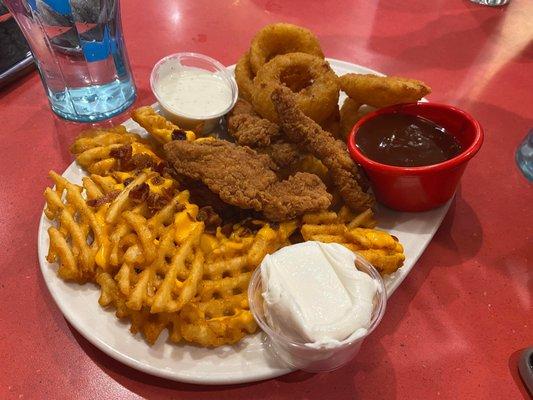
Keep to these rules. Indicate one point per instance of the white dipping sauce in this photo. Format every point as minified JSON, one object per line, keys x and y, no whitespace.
{"x":314,"y":293}
{"x":193,"y":92}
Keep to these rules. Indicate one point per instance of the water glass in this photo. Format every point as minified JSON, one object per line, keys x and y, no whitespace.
{"x":79,"y":49}
{"x":524,"y":156}
{"x":491,"y":3}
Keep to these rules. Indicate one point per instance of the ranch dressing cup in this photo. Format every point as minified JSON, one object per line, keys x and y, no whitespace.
{"x":193,"y":90}
{"x":307,"y":356}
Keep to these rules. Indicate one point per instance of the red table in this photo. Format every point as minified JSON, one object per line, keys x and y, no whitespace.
{"x":454,"y":326}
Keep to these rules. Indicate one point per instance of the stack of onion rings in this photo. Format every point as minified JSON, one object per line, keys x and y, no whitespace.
{"x":286,"y":54}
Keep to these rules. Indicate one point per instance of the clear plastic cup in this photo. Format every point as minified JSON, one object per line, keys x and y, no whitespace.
{"x":299,"y":354}
{"x":200,"y":123}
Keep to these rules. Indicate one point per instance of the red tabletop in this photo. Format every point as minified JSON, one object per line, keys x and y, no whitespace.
{"x":453,"y":328}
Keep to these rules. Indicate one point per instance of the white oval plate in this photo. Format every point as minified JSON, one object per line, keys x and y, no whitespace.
{"x":249,"y":360}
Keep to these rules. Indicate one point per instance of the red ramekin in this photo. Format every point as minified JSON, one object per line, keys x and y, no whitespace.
{"x":427,"y":187}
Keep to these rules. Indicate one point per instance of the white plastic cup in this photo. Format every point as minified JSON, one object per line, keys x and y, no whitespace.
{"x":299,"y":354}
{"x":201,"y":124}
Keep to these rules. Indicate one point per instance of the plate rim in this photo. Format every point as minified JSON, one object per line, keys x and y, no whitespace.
{"x":180,"y":375}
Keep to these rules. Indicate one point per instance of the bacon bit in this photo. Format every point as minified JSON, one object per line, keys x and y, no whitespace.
{"x":157,"y":180}
{"x":251,"y":225}
{"x":123,"y":156}
{"x":106,"y":198}
{"x":246,"y":231}
{"x":160,"y":167}
{"x":227,"y":229}
{"x":156,"y":202}
{"x":169,"y":192}
{"x":274,"y":225}
{"x":179,"y":134}
{"x":127,"y":181}
{"x":142,"y":161}
{"x":121,"y":152}
{"x":210,"y":218}
{"x":139,"y":193}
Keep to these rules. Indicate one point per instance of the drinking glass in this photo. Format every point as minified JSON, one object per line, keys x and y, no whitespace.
{"x":79,"y":49}
{"x":524,"y":156}
{"x":492,"y":3}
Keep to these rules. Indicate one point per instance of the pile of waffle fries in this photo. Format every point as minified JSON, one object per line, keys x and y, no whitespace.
{"x":132,"y":230}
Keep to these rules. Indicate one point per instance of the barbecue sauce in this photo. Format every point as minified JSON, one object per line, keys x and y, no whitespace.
{"x":406,"y":140}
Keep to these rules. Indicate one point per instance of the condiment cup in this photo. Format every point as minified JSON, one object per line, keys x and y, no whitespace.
{"x":427,"y":187}
{"x":200,"y":124}
{"x":300,"y":355}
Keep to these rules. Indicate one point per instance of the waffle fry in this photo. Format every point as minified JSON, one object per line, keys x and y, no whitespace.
{"x":103,"y":151}
{"x":149,"y":325}
{"x":80,"y":233}
{"x":167,"y":282}
{"x":221,"y":314}
{"x":158,"y":126}
{"x":378,"y":247}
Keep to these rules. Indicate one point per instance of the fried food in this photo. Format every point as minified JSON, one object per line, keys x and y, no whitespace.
{"x":221,"y":315}
{"x":79,"y":234}
{"x":282,"y":38}
{"x":159,"y":127}
{"x":382,"y":250}
{"x":311,"y":79}
{"x":148,"y":324}
{"x":244,"y":76}
{"x":284,"y":154}
{"x":349,"y":115}
{"x":382,"y":91}
{"x":333,"y":154}
{"x":248,"y":128}
{"x":332,"y":123}
{"x":244,"y":178}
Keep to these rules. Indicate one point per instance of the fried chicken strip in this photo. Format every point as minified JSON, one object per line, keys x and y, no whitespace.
{"x":243,"y":178}
{"x":249,"y":129}
{"x":333,"y":153}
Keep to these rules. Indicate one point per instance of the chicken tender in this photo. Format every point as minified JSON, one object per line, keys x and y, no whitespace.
{"x":333,"y":153}
{"x":246,"y":179}
{"x":249,"y":129}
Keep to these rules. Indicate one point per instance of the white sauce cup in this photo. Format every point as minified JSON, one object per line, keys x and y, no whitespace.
{"x":201,"y":124}
{"x":299,"y":354}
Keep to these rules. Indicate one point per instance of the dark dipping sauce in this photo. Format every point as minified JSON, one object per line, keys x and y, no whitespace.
{"x":406,"y":140}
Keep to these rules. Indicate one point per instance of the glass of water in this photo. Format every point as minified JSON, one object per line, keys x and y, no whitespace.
{"x":492,"y":3}
{"x":524,"y":156}
{"x":79,"y":49}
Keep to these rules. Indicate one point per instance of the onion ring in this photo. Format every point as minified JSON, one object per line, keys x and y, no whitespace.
{"x":309,"y":77}
{"x":282,"y":38}
{"x":382,"y":91}
{"x":349,"y":115}
{"x":245,"y":77}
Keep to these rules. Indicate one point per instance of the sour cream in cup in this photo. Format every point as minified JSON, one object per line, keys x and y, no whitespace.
{"x":316,"y":303}
{"x":193,"y":90}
